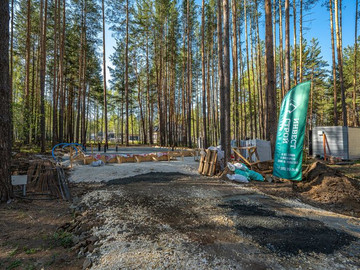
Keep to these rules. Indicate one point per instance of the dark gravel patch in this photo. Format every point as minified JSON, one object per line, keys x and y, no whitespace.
{"x":148,"y":178}
{"x":286,"y":234}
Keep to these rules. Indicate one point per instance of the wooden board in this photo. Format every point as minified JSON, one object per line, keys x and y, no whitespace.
{"x":213,"y":160}
{"x":201,"y":165}
{"x":122,"y":159}
{"x":88,"y":160}
{"x":207,"y":164}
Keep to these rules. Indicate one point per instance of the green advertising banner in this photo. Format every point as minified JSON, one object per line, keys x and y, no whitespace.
{"x":291,"y":132}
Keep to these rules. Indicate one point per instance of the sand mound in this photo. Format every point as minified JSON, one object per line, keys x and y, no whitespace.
{"x":325,"y":185}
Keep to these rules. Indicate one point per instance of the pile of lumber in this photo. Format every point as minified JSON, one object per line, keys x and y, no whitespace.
{"x":48,"y":178}
{"x":208,"y":163}
{"x":137,"y":158}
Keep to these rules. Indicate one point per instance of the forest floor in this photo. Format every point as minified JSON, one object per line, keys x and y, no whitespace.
{"x":167,"y":216}
{"x":29,"y":238}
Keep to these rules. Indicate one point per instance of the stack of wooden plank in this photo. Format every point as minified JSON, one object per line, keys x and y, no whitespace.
{"x":47,"y":178}
{"x":208,"y":162}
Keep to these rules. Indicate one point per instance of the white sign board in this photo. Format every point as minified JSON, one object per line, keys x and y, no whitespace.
{"x":17,"y":180}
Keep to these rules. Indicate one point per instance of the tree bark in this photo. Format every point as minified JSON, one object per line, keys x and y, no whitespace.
{"x":83,"y":108}
{"x":340,"y":62}
{"x":262,"y":120}
{"x":333,"y":62}
{"x":148,"y":92}
{"x":248,"y":71}
{"x":26,"y":129}
{"x":301,"y":42}
{"x":203,"y":73}
{"x":189,"y":77}
{"x":287,"y":46}
{"x":55,"y":68}
{"x":270,"y":84}
{"x":12,"y":59}
{"x":221,"y":75}
{"x":255,"y":112}
{"x":5,"y":101}
{"x":127,"y":76}
{"x":295,"y":45}
{"x":355,"y":114}
{"x":235,"y":69}
{"x":226,"y":103}
{"x":42,"y":76}
{"x":61,"y":71}
{"x":281,"y":60}
{"x":104,"y":70}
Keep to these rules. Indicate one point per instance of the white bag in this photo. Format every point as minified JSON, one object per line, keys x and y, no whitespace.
{"x":238,"y":178}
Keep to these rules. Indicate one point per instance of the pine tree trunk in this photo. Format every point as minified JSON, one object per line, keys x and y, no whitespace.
{"x":26,"y":129}
{"x":12,"y":60}
{"x":12,"y":48}
{"x":84,"y":67}
{"x":148,"y":92}
{"x":281,"y":60}
{"x":5,"y":101}
{"x":61,"y":72}
{"x":333,"y":62}
{"x":242,"y":93}
{"x":253,"y":78}
{"x":355,"y":114}
{"x":235,"y":69}
{"x":262,"y":111}
{"x":221,"y":75}
{"x":274,"y":33}
{"x":301,"y":42}
{"x":340,"y":62}
{"x":183,"y":93}
{"x":287,"y":46}
{"x":55,"y":68}
{"x":127,"y":76}
{"x":203,"y":74}
{"x":208,"y":96}
{"x":295,"y":45}
{"x":311,"y":98}
{"x":226,"y":104}
{"x":42,"y":75}
{"x":270,"y":85}
{"x":104,"y":70}
{"x":189,"y":79}
{"x":248,"y":72}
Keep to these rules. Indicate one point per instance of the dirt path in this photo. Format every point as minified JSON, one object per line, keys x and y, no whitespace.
{"x":176,"y":221}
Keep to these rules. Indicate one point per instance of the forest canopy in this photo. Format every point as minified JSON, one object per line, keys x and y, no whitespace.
{"x":178,"y":67}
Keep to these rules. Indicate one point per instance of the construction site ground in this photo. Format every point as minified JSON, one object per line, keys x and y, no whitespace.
{"x":160,"y":215}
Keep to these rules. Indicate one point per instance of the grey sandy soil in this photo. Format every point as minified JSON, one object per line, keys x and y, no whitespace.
{"x":176,"y":221}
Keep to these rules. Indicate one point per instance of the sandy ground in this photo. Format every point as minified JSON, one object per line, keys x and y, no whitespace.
{"x":87,"y":173}
{"x":164,"y":215}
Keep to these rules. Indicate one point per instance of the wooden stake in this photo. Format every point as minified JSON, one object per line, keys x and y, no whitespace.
{"x":324,"y":145}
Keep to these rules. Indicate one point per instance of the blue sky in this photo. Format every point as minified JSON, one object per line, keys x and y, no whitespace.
{"x":316,"y":23}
